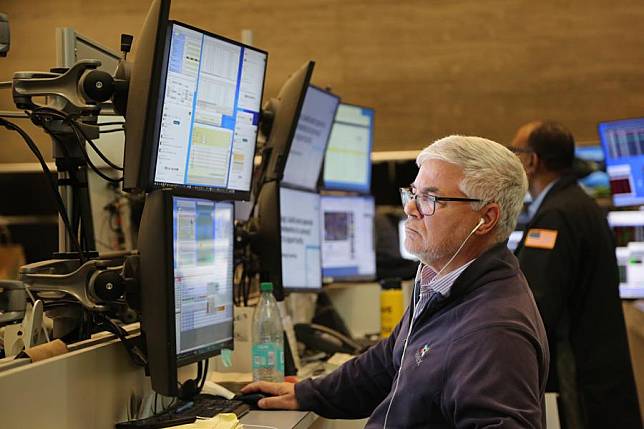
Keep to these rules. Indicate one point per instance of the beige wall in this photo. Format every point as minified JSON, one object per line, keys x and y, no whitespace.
{"x":429,"y":67}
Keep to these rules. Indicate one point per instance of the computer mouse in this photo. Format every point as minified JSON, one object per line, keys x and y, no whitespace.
{"x":251,"y":398}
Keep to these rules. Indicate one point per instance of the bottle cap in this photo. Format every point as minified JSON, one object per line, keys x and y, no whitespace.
{"x":266,"y":287}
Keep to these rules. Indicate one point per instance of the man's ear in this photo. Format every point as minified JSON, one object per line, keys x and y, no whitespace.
{"x":532,"y":163}
{"x":490,"y":213}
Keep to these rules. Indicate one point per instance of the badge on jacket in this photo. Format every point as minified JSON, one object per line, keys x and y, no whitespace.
{"x":541,"y":238}
{"x":420,"y":354}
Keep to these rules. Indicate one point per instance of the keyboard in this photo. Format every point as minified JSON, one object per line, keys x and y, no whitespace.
{"x":187,"y":412}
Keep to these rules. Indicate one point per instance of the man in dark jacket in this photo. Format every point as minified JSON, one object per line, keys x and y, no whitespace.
{"x":472,"y":350}
{"x":568,"y":256}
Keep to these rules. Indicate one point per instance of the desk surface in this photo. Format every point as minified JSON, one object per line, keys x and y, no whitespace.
{"x":280,"y":419}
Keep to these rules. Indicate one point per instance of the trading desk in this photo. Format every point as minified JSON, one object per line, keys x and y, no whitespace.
{"x":91,"y":387}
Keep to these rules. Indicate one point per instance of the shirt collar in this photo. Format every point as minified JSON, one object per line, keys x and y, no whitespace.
{"x":536,"y":203}
{"x":442,"y":284}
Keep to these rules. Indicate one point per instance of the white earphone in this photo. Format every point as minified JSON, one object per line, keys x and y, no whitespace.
{"x":481,"y":222}
{"x":411,"y":325}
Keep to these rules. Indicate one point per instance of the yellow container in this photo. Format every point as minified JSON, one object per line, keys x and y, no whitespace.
{"x":391,"y":310}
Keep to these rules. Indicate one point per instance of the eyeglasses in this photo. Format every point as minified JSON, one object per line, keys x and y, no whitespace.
{"x":426,"y":203}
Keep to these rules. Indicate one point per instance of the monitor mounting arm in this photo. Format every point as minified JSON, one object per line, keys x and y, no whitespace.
{"x":95,"y":283}
{"x":71,"y":94}
{"x":78,"y":90}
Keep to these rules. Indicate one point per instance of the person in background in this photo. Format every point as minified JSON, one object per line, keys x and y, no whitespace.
{"x":568,"y":257}
{"x":471,"y":351}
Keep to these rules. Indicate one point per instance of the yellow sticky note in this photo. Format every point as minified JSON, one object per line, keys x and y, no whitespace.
{"x":541,"y":238}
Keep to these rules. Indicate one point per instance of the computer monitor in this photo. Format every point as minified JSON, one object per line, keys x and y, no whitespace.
{"x":300,"y":238}
{"x":623,"y":144}
{"x":590,"y":168}
{"x":347,"y":164}
{"x":186,"y":277}
{"x":201,"y":131}
{"x":309,"y":144}
{"x":348,"y":250}
{"x":142,"y":104}
{"x":282,"y":116}
{"x":288,"y":241}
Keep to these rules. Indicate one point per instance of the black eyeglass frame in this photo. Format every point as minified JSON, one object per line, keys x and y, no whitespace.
{"x":407,"y":194}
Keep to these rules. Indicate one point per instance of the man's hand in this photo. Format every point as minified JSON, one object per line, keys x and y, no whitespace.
{"x":281,"y":395}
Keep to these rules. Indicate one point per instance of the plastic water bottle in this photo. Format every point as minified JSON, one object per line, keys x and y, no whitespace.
{"x":268,"y":338}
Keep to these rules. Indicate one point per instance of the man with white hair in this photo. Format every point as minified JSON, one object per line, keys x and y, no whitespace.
{"x":471,"y":351}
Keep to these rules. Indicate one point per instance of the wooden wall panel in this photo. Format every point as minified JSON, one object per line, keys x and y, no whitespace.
{"x":430,"y":68}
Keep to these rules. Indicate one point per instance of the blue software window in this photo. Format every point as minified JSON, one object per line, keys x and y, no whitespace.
{"x":623,"y":145}
{"x":210,"y":115}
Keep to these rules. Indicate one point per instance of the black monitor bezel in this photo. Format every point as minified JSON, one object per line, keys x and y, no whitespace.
{"x":189,"y":190}
{"x":316,"y":187}
{"x":276,"y":163}
{"x":143,"y":82}
{"x":361,"y":191}
{"x":351,"y":278}
{"x":158,"y":323}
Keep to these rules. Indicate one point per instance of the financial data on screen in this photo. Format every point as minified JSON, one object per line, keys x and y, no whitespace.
{"x":210,"y":114}
{"x":623,"y":144}
{"x":347,"y":238}
{"x":203,"y":234}
{"x":310,"y":140}
{"x":347,"y":164}
{"x":300,"y":237}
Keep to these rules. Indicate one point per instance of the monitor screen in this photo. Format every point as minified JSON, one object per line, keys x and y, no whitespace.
{"x":186,"y":281}
{"x":592,"y":169}
{"x":590,"y":153}
{"x":347,"y":164}
{"x":300,"y":238}
{"x":203,"y":270}
{"x":310,"y":140}
{"x":623,"y":144}
{"x":348,"y":251}
{"x":211,"y":92}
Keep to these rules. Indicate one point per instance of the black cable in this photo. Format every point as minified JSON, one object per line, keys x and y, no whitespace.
{"x":52,"y":183}
{"x":199,"y":372}
{"x":91,"y":164}
{"x":133,"y":351}
{"x":205,"y":375}
{"x":78,"y":127}
{"x":114,"y":130}
{"x":86,"y":157}
{"x":69,"y":119}
{"x":79,"y":141}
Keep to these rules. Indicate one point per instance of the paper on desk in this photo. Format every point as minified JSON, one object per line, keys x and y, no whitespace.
{"x":220,"y":421}
{"x":339,"y":358}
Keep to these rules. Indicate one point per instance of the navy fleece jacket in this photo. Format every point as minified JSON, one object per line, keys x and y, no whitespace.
{"x":476,"y":359}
